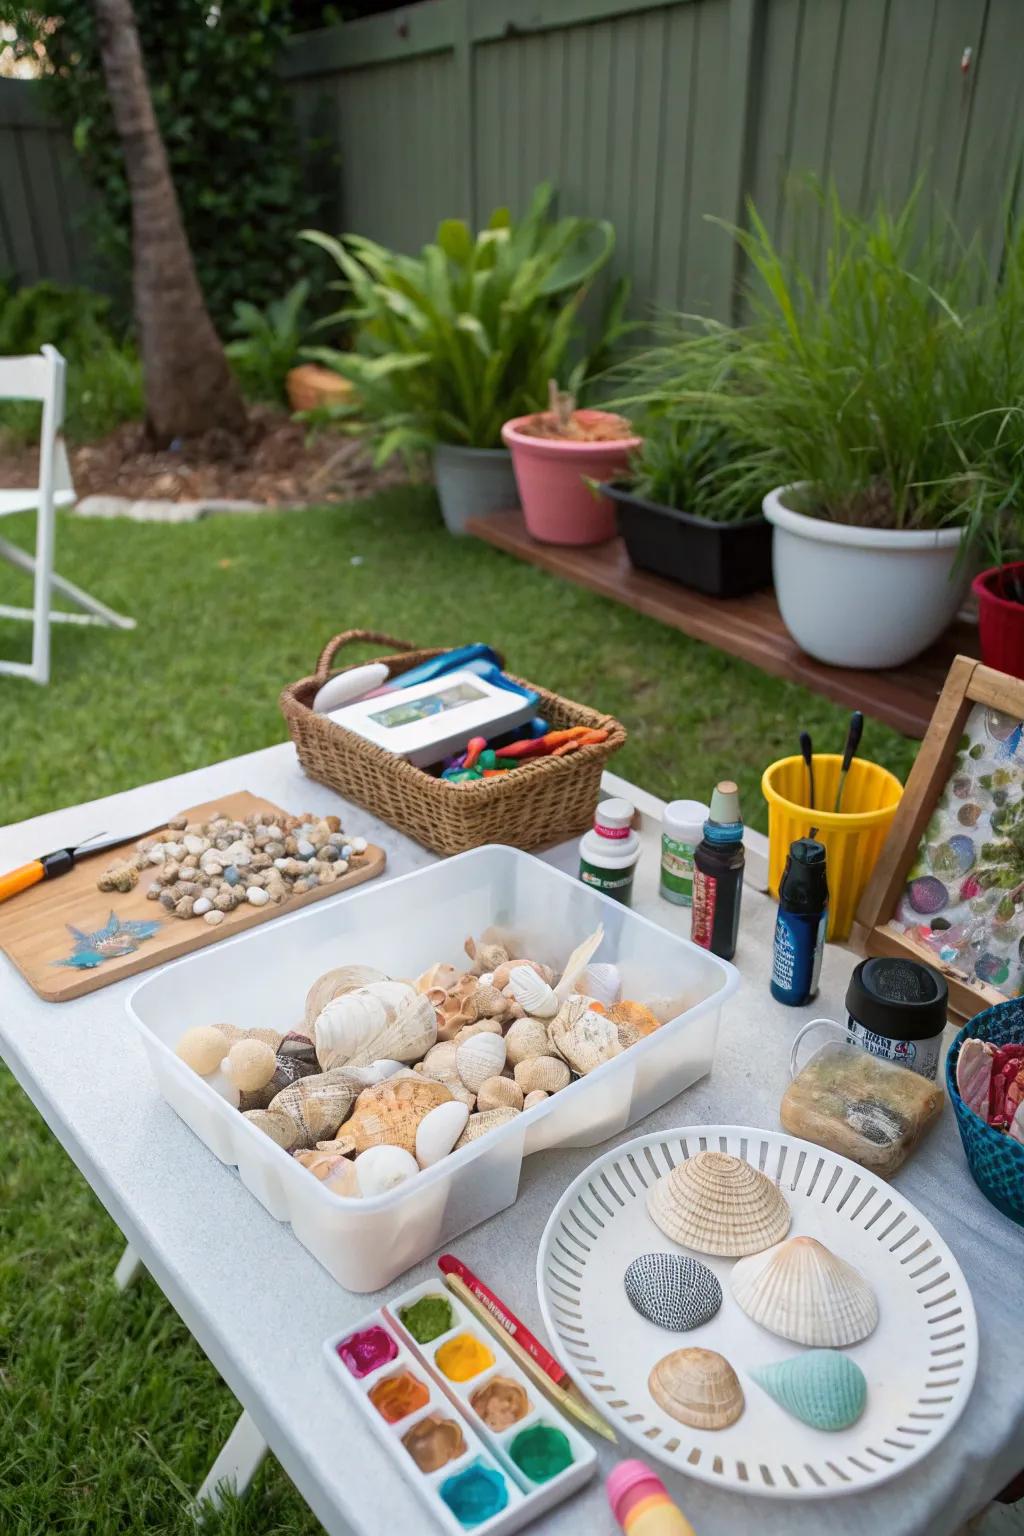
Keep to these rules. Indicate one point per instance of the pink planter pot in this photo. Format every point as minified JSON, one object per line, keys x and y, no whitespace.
{"x":558,"y":504}
{"x":1000,"y":620}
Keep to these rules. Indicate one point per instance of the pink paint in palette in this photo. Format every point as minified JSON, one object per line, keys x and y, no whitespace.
{"x":463,"y":1423}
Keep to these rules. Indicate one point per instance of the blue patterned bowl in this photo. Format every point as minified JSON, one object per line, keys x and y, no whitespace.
{"x":996,"y":1162}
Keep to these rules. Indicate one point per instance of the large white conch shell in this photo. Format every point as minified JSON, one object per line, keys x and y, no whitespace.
{"x":532,"y":992}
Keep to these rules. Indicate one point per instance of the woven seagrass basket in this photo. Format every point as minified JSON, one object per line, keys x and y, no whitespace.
{"x":996,"y":1161}
{"x":544,"y":801}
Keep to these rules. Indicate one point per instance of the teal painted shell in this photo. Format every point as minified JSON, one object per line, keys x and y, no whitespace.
{"x":822,"y":1388}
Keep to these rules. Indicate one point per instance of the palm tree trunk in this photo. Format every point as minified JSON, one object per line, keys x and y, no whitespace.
{"x":189,"y":385}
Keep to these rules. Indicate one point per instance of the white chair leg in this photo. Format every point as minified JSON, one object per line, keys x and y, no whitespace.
{"x":236,"y":1465}
{"x":128,"y":1268}
{"x":45,"y":534}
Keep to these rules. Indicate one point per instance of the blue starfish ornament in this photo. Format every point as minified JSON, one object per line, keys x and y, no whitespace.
{"x":115,"y":938}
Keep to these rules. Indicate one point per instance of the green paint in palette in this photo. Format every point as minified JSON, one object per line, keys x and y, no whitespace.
{"x":428,"y":1318}
{"x":541,"y":1452}
{"x":475,"y":1494}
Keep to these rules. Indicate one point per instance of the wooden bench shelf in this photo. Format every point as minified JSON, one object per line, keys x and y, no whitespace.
{"x":748,"y":627}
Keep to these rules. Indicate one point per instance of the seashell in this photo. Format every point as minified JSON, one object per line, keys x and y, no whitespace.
{"x":586,"y":1039}
{"x":441,"y":977}
{"x":299,"y":1047}
{"x":381,"y":1168}
{"x":317,"y":1104}
{"x":387,"y":1019}
{"x":287,"y":1070}
{"x":498,"y":1093}
{"x":602,"y":982}
{"x":804,"y":1292}
{"x":526,"y":1038}
{"x":490,"y":1003}
{"x":973,"y":1074}
{"x":533,"y":994}
{"x":454,"y":1007}
{"x":719,"y":1204}
{"x":277,"y":1125}
{"x":344,"y":1180}
{"x":487,"y":1120}
{"x":389,"y":1113}
{"x":322,"y":1164}
{"x":271,"y":1037}
{"x":202,"y":1048}
{"x":635,"y":1017}
{"x":578,"y":962}
{"x":439,"y":1130}
{"x":480,"y":1027}
{"x":535,"y":1096}
{"x":500,"y":977}
{"x":250,"y":1065}
{"x":478,"y":1058}
{"x":821,"y":1388}
{"x":542,"y":1072}
{"x":672,"y":1290}
{"x":332,"y":984}
{"x":439,"y":1062}
{"x":485,"y":956}
{"x":698,"y":1387}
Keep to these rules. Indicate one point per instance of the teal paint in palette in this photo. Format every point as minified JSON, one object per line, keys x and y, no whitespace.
{"x":485,"y":1473}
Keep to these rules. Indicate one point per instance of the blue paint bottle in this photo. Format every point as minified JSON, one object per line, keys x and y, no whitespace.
{"x":800,"y":924}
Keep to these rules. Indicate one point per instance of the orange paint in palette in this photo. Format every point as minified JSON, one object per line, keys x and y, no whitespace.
{"x":395,"y":1397}
{"x":464,"y":1357}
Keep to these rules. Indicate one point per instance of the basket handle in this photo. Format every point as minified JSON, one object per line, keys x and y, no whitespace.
{"x":350,"y":637}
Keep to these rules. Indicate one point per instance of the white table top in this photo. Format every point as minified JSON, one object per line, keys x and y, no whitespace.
{"x":260,"y":1306}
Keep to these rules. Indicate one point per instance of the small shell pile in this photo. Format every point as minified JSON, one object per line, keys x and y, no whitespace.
{"x":795,"y":1288}
{"x":207,"y":869}
{"x":383,"y":1078}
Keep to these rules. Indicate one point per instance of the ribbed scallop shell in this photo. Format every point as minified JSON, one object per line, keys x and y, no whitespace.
{"x":697,"y":1387}
{"x":487,"y":1120}
{"x":535,"y":1096}
{"x":546,"y":1072}
{"x":526,"y":1038}
{"x":478,"y":1058}
{"x":821,"y":1388}
{"x":332,"y":984}
{"x":439,"y":1062}
{"x":387,"y":1019}
{"x":532,"y":993}
{"x":715,"y":1203}
{"x":389,"y":1113}
{"x":585,"y":1039}
{"x":802,"y":1291}
{"x":499,"y":1093}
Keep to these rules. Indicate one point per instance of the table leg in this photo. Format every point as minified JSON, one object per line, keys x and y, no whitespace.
{"x":129,"y":1267}
{"x":237,"y":1464}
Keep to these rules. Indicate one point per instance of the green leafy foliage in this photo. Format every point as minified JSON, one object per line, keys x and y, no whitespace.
{"x":450,"y":344}
{"x":104,"y":385}
{"x":226,"y":123}
{"x":268,"y":342}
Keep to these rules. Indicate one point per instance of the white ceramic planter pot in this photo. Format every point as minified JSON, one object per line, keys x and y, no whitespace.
{"x":862,"y":597}
{"x":472,"y":482}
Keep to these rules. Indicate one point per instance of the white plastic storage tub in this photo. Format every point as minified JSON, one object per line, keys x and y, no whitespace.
{"x":402,"y":926}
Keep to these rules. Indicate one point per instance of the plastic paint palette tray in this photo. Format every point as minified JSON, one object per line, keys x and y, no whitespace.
{"x":380,"y":1350}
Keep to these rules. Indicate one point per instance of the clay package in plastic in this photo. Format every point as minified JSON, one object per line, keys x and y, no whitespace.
{"x":860,"y":1106}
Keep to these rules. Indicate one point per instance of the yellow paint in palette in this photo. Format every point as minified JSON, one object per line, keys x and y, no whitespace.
{"x":464,"y":1357}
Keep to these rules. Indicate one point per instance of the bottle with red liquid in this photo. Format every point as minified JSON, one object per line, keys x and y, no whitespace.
{"x":718,"y":874}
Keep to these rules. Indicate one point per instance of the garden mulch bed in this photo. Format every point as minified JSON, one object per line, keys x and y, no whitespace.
{"x":275,"y":463}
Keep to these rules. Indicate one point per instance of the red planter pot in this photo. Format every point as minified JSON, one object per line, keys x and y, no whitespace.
{"x":558,"y":504}
{"x":1000,"y":619}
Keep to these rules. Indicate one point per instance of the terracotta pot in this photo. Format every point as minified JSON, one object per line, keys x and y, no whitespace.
{"x":1000,"y":619}
{"x":559,"y":505}
{"x":309,"y":386}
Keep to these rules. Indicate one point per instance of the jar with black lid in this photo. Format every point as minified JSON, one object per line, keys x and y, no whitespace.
{"x":896,"y":1009}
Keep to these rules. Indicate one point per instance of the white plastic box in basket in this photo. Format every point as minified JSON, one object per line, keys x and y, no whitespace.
{"x":402,"y":926}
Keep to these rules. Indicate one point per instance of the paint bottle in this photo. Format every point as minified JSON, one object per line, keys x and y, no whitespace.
{"x":640,"y":1502}
{"x":682,"y":827}
{"x":800,"y":924}
{"x":718,"y":874}
{"x":896,"y":1009}
{"x":608,"y":854}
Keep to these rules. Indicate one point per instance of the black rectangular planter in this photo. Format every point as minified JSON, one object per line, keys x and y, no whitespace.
{"x":720,"y":559}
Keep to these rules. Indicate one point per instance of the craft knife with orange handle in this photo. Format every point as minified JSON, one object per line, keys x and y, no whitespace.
{"x":57,"y":863}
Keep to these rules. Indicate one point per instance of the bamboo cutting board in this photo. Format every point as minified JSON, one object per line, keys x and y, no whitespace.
{"x":34,"y":925}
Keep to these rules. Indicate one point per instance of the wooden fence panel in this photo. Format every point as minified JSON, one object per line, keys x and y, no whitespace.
{"x":42,"y":194}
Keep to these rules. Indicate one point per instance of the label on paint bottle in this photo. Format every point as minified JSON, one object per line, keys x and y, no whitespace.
{"x":920,"y":1056}
{"x":677,"y":870}
{"x":705,"y":899}
{"x":617,"y":883}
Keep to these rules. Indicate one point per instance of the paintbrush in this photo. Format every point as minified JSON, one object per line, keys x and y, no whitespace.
{"x":807,"y":753}
{"x":853,"y":736}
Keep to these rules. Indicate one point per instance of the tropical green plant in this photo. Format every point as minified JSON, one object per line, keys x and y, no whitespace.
{"x":890,"y":388}
{"x":450,"y":344}
{"x":268,"y":342}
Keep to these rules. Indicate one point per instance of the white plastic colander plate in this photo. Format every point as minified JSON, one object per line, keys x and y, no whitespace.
{"x":919,"y":1362}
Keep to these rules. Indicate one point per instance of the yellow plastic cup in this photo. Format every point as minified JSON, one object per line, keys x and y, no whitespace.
{"x":853,"y":836}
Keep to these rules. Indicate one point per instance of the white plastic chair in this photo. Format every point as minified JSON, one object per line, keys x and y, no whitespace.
{"x":41,"y":377}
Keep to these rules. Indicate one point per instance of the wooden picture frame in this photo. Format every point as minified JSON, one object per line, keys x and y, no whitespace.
{"x":968,"y":683}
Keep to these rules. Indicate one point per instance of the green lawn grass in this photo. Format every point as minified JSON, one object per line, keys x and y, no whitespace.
{"x":108,"y":1409}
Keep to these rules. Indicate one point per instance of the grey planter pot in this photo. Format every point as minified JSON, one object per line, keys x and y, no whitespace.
{"x":471,"y":482}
